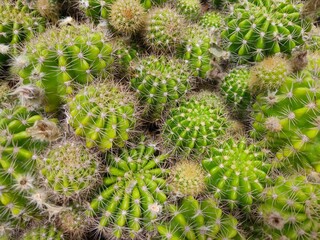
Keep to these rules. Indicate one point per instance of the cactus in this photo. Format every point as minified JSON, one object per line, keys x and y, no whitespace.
{"x":291,"y":209}
{"x":211,"y":20}
{"x":133,"y":192}
{"x":44,"y":232}
{"x":237,"y":172}
{"x":164,"y":30}
{"x":198,"y":220}
{"x":23,"y":135}
{"x":70,"y":170}
{"x":195,"y":50}
{"x":191,"y":9}
{"x":269,"y":74}
{"x":127,"y":16}
{"x":125,"y":53}
{"x":187,"y":178}
{"x":17,"y":23}
{"x":60,"y":57}
{"x":256,"y":29}
{"x":4,"y":90}
{"x":159,"y":81}
{"x":105,"y":114}
{"x":195,"y":124}
{"x":50,"y":9}
{"x":288,"y":120}
{"x":220,"y":4}
{"x":235,"y":89}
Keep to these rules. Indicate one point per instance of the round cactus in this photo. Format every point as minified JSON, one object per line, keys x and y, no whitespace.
{"x":60,"y":57}
{"x":235,"y":89}
{"x":187,"y":178}
{"x":127,"y":16}
{"x":159,"y":81}
{"x":133,"y":192}
{"x":288,"y":120}
{"x":17,"y":23}
{"x":256,"y":29}
{"x":45,"y":232}
{"x":291,"y":209}
{"x":105,"y":114}
{"x":195,"y":124}
{"x":164,"y":29}
{"x":195,"y":50}
{"x":23,"y":135}
{"x":191,"y":9}
{"x":211,"y":20}
{"x":237,"y":172}
{"x":269,"y":74}
{"x":70,"y":170}
{"x":198,"y":220}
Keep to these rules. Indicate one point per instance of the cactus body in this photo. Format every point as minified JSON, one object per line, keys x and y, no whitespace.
{"x":133,"y":192}
{"x":46,"y":232}
{"x":159,"y":82}
{"x":198,"y":220}
{"x":195,"y":124}
{"x":191,"y":9}
{"x":237,"y":172}
{"x":211,"y":20}
{"x":60,"y":57}
{"x":256,"y":29}
{"x":104,"y":115}
{"x":291,"y":209}
{"x":289,"y":121}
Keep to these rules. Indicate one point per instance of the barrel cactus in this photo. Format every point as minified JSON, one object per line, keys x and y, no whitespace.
{"x":159,"y":82}
{"x":195,"y":124}
{"x":44,"y":232}
{"x":211,"y":20}
{"x":194,"y":219}
{"x":133,"y":192}
{"x":237,"y":172}
{"x":58,"y":58}
{"x":23,"y":134}
{"x":256,"y":29}
{"x":191,"y":9}
{"x":291,"y":209}
{"x":235,"y":89}
{"x":288,"y":120}
{"x":164,"y":29}
{"x":69,"y":170}
{"x":187,"y":178}
{"x":104,"y":114}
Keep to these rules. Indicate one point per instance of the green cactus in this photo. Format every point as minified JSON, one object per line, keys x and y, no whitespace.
{"x":195,"y":50}
{"x":125,"y":53}
{"x":269,"y":74}
{"x":133,"y":192}
{"x":256,"y":29}
{"x":44,"y":232}
{"x":288,"y":120}
{"x":23,"y":134}
{"x":104,"y":114}
{"x":198,"y":220}
{"x":164,"y":30}
{"x":291,"y":209}
{"x":237,"y":172}
{"x":159,"y":82}
{"x":6,"y":231}
{"x":70,"y":170}
{"x":222,"y":3}
{"x":58,"y":58}
{"x":211,"y":20}
{"x":191,"y":9}
{"x":127,"y":16}
{"x":195,"y":124}
{"x":187,"y":178}
{"x":235,"y":89}
{"x":17,"y":23}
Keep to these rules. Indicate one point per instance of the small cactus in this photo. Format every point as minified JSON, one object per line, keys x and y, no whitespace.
{"x":256,"y":29}
{"x":212,"y":21}
{"x":133,"y":192}
{"x":187,"y":178}
{"x":195,"y":124}
{"x":237,"y":172}
{"x":159,"y":82}
{"x":194,"y":219}
{"x":191,"y":9}
{"x":290,"y":209}
{"x":44,"y":232}
{"x":103,"y":114}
